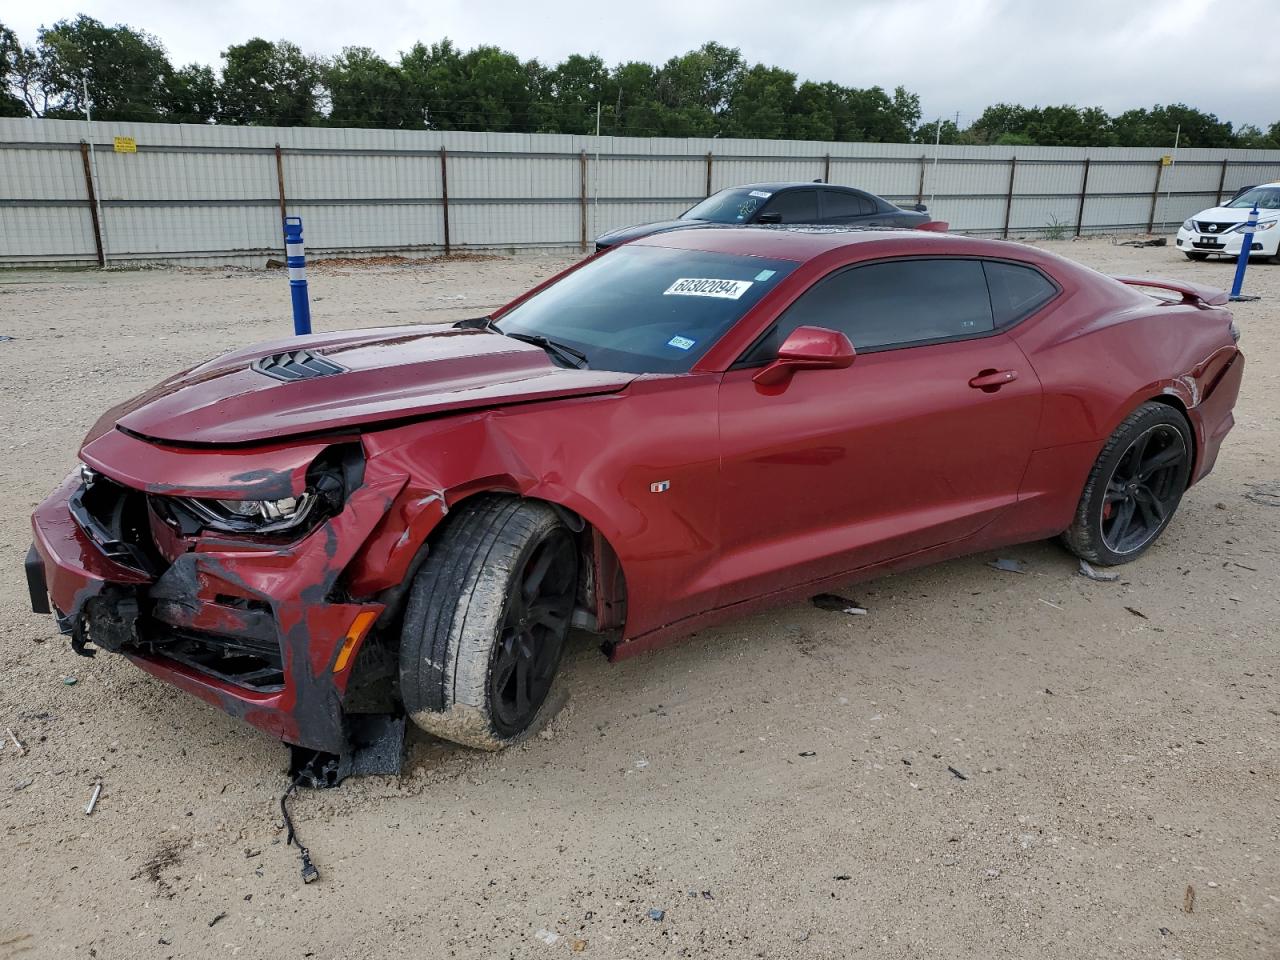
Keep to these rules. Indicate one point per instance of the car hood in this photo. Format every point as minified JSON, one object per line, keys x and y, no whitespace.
{"x":385,"y":374}
{"x":1233,"y":215}
{"x":623,"y":234}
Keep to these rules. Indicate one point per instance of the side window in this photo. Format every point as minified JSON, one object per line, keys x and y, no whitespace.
{"x":838,"y":205}
{"x":893,"y":304}
{"x":796,"y":206}
{"x":1016,"y":292}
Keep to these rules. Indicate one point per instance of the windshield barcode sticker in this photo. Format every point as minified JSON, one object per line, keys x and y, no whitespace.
{"x":707,"y":287}
{"x":760,"y":193}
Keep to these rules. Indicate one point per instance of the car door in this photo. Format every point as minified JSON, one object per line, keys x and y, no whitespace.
{"x":922,"y":441}
{"x":848,"y":207}
{"x":791,"y":206}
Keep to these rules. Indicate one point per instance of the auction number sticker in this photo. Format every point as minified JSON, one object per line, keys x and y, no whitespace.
{"x":707,"y":287}
{"x":762,"y":194}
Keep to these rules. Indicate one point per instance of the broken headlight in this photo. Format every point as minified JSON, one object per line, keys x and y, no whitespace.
{"x":330,"y":478}
{"x":253,"y":516}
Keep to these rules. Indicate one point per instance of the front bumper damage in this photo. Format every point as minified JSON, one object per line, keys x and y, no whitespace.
{"x":283,"y":635}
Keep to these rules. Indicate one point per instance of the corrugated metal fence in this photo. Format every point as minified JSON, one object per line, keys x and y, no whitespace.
{"x":215,"y":195}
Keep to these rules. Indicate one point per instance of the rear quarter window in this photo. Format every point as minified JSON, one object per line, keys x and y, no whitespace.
{"x":1016,"y":291}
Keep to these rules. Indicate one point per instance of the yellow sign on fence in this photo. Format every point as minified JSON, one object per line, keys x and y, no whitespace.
{"x":126,"y":145}
{"x":1166,"y":161}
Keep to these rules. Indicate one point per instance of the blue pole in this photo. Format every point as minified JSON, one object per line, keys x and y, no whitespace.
{"x":296,"y":260}
{"x":1246,"y":245}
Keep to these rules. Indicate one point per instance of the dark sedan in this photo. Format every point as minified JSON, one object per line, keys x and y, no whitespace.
{"x":780,"y":203}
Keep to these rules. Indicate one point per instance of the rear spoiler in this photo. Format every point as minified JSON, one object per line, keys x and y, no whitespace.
{"x":934,"y":226}
{"x":1196,"y":294}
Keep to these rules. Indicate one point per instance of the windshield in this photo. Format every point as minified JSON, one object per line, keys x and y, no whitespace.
{"x":1267,"y":198}
{"x":646,"y":309}
{"x":735,"y":205}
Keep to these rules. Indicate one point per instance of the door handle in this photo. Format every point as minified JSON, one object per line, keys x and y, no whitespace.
{"x":992,"y":380}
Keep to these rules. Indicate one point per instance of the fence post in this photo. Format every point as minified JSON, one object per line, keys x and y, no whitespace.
{"x":280,"y":185}
{"x":826,"y":169}
{"x":924,"y":160}
{"x":296,"y":260}
{"x":1155,"y":195}
{"x":708,"y":193}
{"x":1008,"y":203}
{"x":582,"y":201}
{"x":93,"y":204}
{"x":444,"y":197}
{"x":1222,"y":180}
{"x":1084,"y":188}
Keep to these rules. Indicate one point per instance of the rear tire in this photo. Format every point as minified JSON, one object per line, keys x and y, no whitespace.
{"x":1134,"y":487}
{"x":1197,"y":257}
{"x":486,"y":623}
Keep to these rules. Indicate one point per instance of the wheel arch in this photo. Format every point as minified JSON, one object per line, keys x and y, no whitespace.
{"x":602,"y":585}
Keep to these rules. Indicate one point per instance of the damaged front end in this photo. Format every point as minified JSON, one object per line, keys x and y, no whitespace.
{"x":233,"y":579}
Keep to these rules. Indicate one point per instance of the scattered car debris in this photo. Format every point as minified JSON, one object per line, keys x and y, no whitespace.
{"x":656,"y":915}
{"x":1156,"y":242}
{"x":956,"y":773}
{"x":842,"y":876}
{"x":1048,"y":603}
{"x":1266,"y":494}
{"x":93,"y":800}
{"x":22,"y":750}
{"x":220,"y":916}
{"x":706,"y":895}
{"x":838,"y":604}
{"x":1165,"y":931}
{"x":1189,"y":899}
{"x":309,"y":872}
{"x":549,"y":937}
{"x":1137,"y":613}
{"x":1087,"y":571}
{"x":1242,"y":566}
{"x":1007,"y":565}
{"x":3,"y":338}
{"x":808,"y":753}
{"x":641,"y":764}
{"x":69,"y":681}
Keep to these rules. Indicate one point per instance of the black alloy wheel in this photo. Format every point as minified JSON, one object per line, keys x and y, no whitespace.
{"x":1144,"y":489}
{"x":534,"y":627}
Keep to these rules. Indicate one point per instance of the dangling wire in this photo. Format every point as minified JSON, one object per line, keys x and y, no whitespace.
{"x":309,"y":871}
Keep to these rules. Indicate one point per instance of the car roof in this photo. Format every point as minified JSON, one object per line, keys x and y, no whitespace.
{"x":802,"y":243}
{"x":776,"y":185}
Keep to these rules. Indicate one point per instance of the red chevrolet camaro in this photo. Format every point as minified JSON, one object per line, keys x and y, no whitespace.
{"x":324,"y":536}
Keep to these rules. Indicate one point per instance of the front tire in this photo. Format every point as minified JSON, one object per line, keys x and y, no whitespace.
{"x":1197,"y":257}
{"x":1134,"y":487}
{"x":486,"y":622}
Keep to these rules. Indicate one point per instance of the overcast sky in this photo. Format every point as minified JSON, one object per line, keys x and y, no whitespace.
{"x":958,"y":55}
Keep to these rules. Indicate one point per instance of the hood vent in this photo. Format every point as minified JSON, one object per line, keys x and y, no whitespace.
{"x":296,"y":365}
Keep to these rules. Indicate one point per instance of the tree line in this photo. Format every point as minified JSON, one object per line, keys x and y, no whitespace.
{"x":124,"y":74}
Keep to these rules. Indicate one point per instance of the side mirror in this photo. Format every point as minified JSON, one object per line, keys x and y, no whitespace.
{"x":769,"y":218}
{"x":807,"y":348}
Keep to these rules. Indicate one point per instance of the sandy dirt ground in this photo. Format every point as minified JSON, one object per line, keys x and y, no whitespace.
{"x":778,"y":787}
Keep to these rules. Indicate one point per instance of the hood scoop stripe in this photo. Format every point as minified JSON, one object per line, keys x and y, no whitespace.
{"x":296,"y":365}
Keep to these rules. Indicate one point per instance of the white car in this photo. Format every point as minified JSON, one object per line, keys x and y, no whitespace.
{"x":1218,"y":229}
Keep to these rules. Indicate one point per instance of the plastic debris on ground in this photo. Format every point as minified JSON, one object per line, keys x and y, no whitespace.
{"x":548,"y":937}
{"x":1007,"y":565}
{"x":1087,"y":571}
{"x":838,"y":604}
{"x":656,"y":915}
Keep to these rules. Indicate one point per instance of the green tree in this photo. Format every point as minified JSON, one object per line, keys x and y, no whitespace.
{"x":126,"y":71}
{"x":435,"y":82}
{"x":760,"y":103}
{"x":270,"y":84}
{"x":14,"y":65}
{"x":693,"y":90}
{"x":194,"y":95}
{"x":568,"y":94}
{"x":1159,"y":126}
{"x":366,"y":90}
